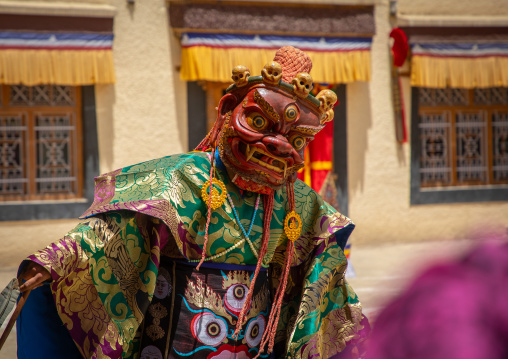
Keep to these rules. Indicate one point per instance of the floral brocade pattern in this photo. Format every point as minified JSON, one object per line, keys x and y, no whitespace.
{"x":105,"y":270}
{"x":321,"y":313}
{"x":170,"y":189}
{"x":104,"y":274}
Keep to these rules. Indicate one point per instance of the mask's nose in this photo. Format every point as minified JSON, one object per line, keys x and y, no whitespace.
{"x":278,"y":145}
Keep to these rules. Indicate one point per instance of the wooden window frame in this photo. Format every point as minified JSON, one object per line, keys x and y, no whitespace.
{"x":472,"y":191}
{"x":489,"y":111}
{"x":31,"y":113}
{"x":70,"y":208}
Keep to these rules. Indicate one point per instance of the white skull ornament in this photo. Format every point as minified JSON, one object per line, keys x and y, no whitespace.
{"x":327,"y":117}
{"x":327,"y":99}
{"x":272,"y":73}
{"x":302,"y":84}
{"x":240,"y":75}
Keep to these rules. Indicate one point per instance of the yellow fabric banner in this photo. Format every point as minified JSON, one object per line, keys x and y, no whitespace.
{"x":441,"y":72}
{"x":58,"y":67}
{"x":215,"y":64}
{"x":321,"y":165}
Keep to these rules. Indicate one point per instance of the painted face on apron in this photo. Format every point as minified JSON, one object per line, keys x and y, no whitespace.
{"x":212,"y":310}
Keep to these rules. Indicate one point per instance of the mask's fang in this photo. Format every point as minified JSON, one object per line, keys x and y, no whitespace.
{"x":250,"y":152}
{"x":249,"y":156}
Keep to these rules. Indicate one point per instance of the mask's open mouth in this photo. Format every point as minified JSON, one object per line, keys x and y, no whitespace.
{"x":264,"y":159}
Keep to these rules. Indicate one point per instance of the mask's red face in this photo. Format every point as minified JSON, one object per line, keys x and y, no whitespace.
{"x":264,"y":139}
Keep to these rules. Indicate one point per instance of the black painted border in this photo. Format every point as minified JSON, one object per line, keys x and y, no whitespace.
{"x":445,"y":195}
{"x":66,"y":209}
{"x":196,"y":112}
{"x":340,"y":150}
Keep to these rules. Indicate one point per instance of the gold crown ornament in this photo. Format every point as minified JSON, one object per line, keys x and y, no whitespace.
{"x":289,"y":72}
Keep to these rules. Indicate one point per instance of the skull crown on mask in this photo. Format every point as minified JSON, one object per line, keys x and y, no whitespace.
{"x":265,"y":122}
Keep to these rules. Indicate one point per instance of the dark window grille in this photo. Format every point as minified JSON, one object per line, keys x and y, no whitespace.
{"x":40,"y":143}
{"x":463,"y":137}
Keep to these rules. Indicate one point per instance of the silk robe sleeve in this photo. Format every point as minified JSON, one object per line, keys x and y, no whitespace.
{"x":321,"y":315}
{"x":104,"y":273}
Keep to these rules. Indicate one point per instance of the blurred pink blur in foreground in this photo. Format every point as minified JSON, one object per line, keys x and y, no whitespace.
{"x":455,"y":310}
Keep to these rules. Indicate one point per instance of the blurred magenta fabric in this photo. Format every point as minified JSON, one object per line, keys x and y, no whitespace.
{"x":456,"y":310}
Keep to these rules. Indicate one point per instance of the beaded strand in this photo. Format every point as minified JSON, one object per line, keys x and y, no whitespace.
{"x":246,"y":234}
{"x":239,"y":243}
{"x":268,"y":208}
{"x":220,"y":254}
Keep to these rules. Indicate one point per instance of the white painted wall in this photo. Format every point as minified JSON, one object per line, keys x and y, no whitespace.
{"x":379,"y":168}
{"x":141,"y":117}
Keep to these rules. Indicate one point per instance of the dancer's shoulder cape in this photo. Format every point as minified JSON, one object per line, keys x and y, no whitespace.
{"x":104,"y":271}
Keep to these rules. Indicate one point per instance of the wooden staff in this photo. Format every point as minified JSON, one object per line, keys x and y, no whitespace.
{"x":14,"y":316}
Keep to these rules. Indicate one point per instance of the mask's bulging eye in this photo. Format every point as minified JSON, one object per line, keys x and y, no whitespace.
{"x":291,"y":113}
{"x":255,"y":330}
{"x":213,"y":329}
{"x":208,"y":328}
{"x":235,"y":297}
{"x":257,"y":122}
{"x":297,"y":142}
{"x":239,"y":292}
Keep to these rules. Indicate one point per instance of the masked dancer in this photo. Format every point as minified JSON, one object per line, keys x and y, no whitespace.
{"x":216,"y":253}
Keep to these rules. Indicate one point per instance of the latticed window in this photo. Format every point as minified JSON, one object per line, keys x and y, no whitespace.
{"x":463,"y":136}
{"x":40,"y":143}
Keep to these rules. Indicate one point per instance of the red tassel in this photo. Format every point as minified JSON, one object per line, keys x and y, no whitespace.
{"x":209,"y":214}
{"x":273,"y":320}
{"x":268,"y":207}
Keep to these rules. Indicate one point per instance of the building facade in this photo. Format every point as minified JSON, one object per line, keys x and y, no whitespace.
{"x":419,"y":151}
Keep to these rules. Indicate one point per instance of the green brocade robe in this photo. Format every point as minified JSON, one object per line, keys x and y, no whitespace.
{"x":104,"y":270}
